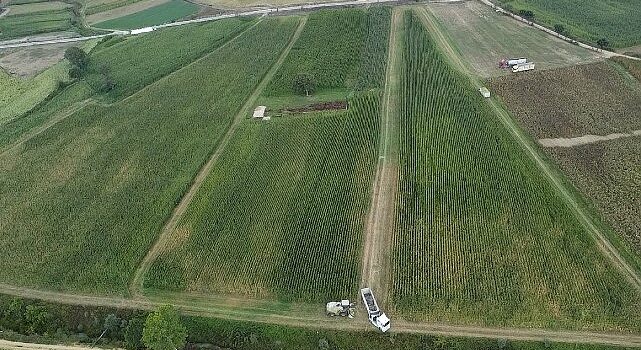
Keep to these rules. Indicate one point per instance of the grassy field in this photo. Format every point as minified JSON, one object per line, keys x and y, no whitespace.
{"x":35,"y":23}
{"x":285,"y":204}
{"x":136,"y":62}
{"x":18,"y":96}
{"x":91,"y":193}
{"x":596,"y":99}
{"x":484,"y":37}
{"x":344,"y":50}
{"x":481,"y":236}
{"x":615,"y":20}
{"x":96,"y":6}
{"x":633,"y":67}
{"x":164,"y":13}
{"x":37,"y":7}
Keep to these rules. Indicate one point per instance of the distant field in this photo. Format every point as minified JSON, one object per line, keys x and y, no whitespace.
{"x":481,"y":236}
{"x":571,"y":102}
{"x":91,"y":193}
{"x":140,"y":60}
{"x":96,"y":6}
{"x":285,"y":204}
{"x":123,"y":10}
{"x":164,"y":13}
{"x":615,"y":20}
{"x":343,"y":50}
{"x":37,"y":7}
{"x":34,"y":23}
{"x":484,"y":37}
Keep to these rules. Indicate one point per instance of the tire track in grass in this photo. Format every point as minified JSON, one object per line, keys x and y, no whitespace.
{"x":380,"y":221}
{"x":136,"y":286}
{"x":602,"y":242}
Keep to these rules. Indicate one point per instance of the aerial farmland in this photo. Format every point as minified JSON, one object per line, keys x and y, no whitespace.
{"x":350,"y":175}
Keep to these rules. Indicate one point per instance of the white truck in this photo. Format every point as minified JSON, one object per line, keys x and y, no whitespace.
{"x":523,"y":67}
{"x":376,"y":316}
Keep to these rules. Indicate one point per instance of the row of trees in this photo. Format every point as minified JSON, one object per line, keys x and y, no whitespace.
{"x":159,"y":330}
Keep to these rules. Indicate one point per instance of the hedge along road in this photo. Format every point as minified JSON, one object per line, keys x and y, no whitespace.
{"x":555,"y":179}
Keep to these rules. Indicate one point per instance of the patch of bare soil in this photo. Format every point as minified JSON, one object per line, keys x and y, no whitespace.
{"x":316,"y":107}
{"x":123,"y":10}
{"x":584,"y":140}
{"x":27,"y":62}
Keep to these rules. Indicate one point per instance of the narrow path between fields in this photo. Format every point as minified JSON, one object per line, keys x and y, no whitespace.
{"x":531,"y":149}
{"x":136,"y":287}
{"x":585,"y":139}
{"x":375,"y":272}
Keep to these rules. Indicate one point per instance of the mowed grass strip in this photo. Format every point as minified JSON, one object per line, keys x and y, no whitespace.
{"x":136,"y":62}
{"x":481,"y":237}
{"x":83,"y":202}
{"x":283,"y":211}
{"x":164,"y":13}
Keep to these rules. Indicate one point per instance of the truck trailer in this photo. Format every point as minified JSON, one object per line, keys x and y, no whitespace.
{"x":523,"y":67}
{"x":375,"y":315}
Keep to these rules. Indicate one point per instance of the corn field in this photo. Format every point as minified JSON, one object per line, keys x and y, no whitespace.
{"x":82,"y":203}
{"x":282,"y":214}
{"x":481,"y":237}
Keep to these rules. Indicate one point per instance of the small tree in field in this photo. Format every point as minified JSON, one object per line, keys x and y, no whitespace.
{"x":77,"y":57}
{"x":559,"y":28}
{"x":163,"y":330}
{"x":603,"y":43}
{"x":304,"y":84}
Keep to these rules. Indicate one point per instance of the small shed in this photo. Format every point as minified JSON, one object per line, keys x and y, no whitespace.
{"x":259,"y":112}
{"x":484,"y":92}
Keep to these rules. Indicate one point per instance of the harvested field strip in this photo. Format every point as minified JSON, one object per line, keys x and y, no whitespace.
{"x":123,"y":10}
{"x":38,"y":7}
{"x":482,"y":236}
{"x":96,"y":6}
{"x":584,"y":140}
{"x":570,"y":102}
{"x":294,"y":193}
{"x":93,"y":191}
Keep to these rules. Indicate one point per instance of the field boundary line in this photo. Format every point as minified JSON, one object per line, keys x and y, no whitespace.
{"x":243,"y":310}
{"x":380,"y":220}
{"x":602,"y":242}
{"x":33,"y":132}
{"x":136,"y":286}
{"x":16,"y":345}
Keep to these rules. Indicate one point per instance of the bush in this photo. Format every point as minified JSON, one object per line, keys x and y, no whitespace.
{"x":77,"y":57}
{"x":304,"y":84}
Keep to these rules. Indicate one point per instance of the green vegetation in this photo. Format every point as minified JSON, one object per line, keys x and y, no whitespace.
{"x":163,"y":13}
{"x":481,"y":236}
{"x":35,"y":23}
{"x":284,"y":205}
{"x":37,"y":7}
{"x":341,"y":50}
{"x":96,"y":6}
{"x":614,"y":20}
{"x":136,"y":62}
{"x":164,"y":330}
{"x":83,"y":324}
{"x":18,"y":96}
{"x":91,"y":193}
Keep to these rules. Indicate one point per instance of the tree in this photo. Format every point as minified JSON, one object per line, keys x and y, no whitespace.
{"x":133,"y":333}
{"x":163,"y":330}
{"x":559,"y":28}
{"x":112,"y":322}
{"x":304,"y":84}
{"x":77,"y":57}
{"x":603,"y":43}
{"x":526,"y":14}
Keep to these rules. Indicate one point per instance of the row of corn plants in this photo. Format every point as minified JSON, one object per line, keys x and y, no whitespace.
{"x":481,"y":236}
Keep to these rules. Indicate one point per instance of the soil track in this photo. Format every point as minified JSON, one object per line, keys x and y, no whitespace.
{"x":380,"y":222}
{"x":531,"y":149}
{"x":585,"y":140}
{"x":136,"y":287}
{"x":15,"y":345}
